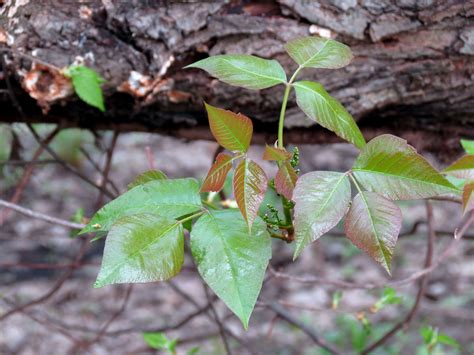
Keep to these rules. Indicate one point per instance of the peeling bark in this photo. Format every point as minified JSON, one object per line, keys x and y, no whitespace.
{"x":412,"y":73}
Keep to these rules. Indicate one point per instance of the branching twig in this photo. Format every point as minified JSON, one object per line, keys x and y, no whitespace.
{"x":107,"y":166}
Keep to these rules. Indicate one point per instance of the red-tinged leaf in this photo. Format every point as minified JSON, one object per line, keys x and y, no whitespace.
{"x":468,"y":197}
{"x":275,"y":154}
{"x":232,"y":131}
{"x":250,"y":184}
{"x":215,"y":178}
{"x":462,"y":168}
{"x":285,"y":180}
{"x":373,"y":224}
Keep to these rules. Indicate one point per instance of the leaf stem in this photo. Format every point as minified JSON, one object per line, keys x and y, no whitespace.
{"x":197,"y":214}
{"x":281,"y":122}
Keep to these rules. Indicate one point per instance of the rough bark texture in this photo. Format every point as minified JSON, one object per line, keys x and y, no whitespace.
{"x":413,"y":72}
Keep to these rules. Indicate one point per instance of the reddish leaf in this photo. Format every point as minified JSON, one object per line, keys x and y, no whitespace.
{"x":285,"y":180}
{"x":462,"y":168}
{"x":372,"y":224}
{"x":232,"y":131}
{"x":250,"y":184}
{"x":468,"y":197}
{"x":275,"y":154}
{"x":215,"y":178}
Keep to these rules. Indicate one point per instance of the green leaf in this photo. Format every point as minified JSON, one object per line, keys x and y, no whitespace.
{"x":447,"y":340}
{"x":389,"y":296}
{"x":242,"y":70}
{"x":285,"y":180}
{"x":147,"y":176}
{"x":86,"y":83}
{"x":275,"y":154}
{"x":232,"y":131}
{"x":217,"y":174}
{"x":167,"y":198}
{"x":231,"y":261}
{"x":318,"y":105}
{"x":160,"y":341}
{"x":142,"y":248}
{"x":468,"y":197}
{"x":462,"y":168}
{"x":249,"y":184}
{"x":468,"y":146}
{"x":373,"y":224}
{"x":321,"y":201}
{"x":318,"y":52}
{"x":389,"y":166}
{"x":6,"y":138}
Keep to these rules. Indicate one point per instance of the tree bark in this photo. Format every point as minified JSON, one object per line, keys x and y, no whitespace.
{"x":412,"y":75}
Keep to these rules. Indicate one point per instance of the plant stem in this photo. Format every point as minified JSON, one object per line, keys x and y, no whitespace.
{"x":197,"y":214}
{"x":281,"y":122}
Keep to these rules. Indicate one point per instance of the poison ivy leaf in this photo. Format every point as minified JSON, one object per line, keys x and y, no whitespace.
{"x":318,"y":105}
{"x":86,"y":83}
{"x":142,"y":248}
{"x":462,"y":168}
{"x":389,"y":166}
{"x":242,"y":70}
{"x":147,"y":176}
{"x":285,"y":180}
{"x":167,"y":198}
{"x":216,"y":176}
{"x":373,"y":224}
{"x":232,"y":131}
{"x":468,"y":197}
{"x":250,"y":184}
{"x":468,"y":146}
{"x":275,"y":154}
{"x":231,"y":261}
{"x":321,"y":201}
{"x":318,"y":52}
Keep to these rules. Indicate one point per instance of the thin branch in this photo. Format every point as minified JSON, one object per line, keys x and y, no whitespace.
{"x":107,"y":166}
{"x":41,"y":216}
{"x":219,"y":323}
{"x":97,"y":168}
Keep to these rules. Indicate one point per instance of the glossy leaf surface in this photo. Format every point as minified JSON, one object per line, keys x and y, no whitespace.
{"x":462,"y":168}
{"x":242,"y":70}
{"x":285,"y":180}
{"x":321,"y":201}
{"x":147,"y":176}
{"x":468,"y":146}
{"x":318,"y":52}
{"x":86,"y":83}
{"x":232,"y":131}
{"x":373,"y":224}
{"x":167,"y":198}
{"x":231,"y":261}
{"x":275,"y":154}
{"x":216,"y":176}
{"x":389,"y":166}
{"x":142,"y":248}
{"x":319,"y":106}
{"x":468,"y":197}
{"x":249,"y":184}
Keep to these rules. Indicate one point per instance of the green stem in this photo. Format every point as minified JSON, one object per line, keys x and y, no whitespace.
{"x":281,"y":122}
{"x":197,"y":214}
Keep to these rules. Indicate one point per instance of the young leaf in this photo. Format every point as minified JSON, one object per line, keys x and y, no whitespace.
{"x":232,"y":131}
{"x":159,"y":341}
{"x":142,"y":248}
{"x":167,"y":198}
{"x":462,"y":168}
{"x":321,"y":201}
{"x":285,"y":180}
{"x":468,"y":146}
{"x":250,"y":184}
{"x":468,"y":197}
{"x":275,"y":154}
{"x":231,"y":261}
{"x":373,"y":224}
{"x":86,"y":83}
{"x":242,"y":70}
{"x":216,"y":176}
{"x":317,"y":52}
{"x":389,"y":166}
{"x":318,"y":105}
{"x":147,"y":176}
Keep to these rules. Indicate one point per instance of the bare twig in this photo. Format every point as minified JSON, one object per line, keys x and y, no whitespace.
{"x":219,"y":323}
{"x":97,"y":168}
{"x":107,"y":166}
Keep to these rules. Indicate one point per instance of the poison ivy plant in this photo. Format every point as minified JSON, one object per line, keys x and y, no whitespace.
{"x":232,"y":247}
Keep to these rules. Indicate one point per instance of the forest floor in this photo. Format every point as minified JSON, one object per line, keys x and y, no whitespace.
{"x":76,"y":312}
